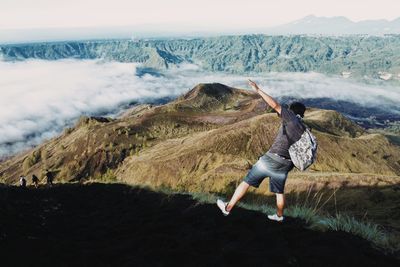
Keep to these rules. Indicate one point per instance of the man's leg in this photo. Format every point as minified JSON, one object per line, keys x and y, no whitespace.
{"x":280,"y":204}
{"x":239,"y":193}
{"x":254,"y":177}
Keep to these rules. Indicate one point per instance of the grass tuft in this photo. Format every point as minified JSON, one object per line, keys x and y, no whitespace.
{"x":317,"y":220}
{"x":367,"y":230}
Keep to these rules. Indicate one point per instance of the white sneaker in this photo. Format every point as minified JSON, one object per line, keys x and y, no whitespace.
{"x":275,"y":218}
{"x":222,"y":206}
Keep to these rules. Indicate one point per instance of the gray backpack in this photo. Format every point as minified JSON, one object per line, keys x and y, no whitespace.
{"x":303,"y":152}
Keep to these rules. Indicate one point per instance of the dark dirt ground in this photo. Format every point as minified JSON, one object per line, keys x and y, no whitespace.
{"x":119,"y":225}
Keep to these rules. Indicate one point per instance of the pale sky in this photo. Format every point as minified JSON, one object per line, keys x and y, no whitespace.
{"x":200,"y":14}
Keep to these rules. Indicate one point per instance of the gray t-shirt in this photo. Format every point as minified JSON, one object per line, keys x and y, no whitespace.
{"x":294,"y":130}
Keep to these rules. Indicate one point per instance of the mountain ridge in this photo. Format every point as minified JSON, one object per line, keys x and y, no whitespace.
{"x":337,"y":25}
{"x":358,"y":55}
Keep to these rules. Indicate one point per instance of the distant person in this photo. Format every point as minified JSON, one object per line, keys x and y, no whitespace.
{"x":277,"y":162}
{"x":22,"y":181}
{"x":35,"y":180}
{"x":49,"y":178}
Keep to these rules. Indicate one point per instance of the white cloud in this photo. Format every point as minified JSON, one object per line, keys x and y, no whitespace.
{"x":39,"y":98}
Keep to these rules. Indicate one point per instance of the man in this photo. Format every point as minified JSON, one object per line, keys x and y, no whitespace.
{"x":49,"y":178}
{"x":276,"y":163}
{"x":35,"y":180}
{"x":22,"y":181}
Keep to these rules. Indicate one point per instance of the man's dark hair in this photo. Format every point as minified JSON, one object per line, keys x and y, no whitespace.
{"x":298,"y":108}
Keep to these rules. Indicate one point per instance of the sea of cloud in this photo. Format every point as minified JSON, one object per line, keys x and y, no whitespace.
{"x":39,"y":98}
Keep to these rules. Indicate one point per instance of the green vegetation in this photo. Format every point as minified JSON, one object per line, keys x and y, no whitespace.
{"x":311,"y":211}
{"x":44,"y":155}
{"x":111,"y":146}
{"x":360,"y":55}
{"x":31,"y":160}
{"x":367,"y":230}
{"x":108,"y":177}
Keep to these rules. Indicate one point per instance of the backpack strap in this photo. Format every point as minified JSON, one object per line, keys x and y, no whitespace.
{"x":285,"y":132}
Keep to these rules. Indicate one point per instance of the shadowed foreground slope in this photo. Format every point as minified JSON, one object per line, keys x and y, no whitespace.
{"x":118,"y":225}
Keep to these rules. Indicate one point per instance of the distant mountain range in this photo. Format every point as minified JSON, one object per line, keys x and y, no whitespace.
{"x":308,"y":25}
{"x":360,"y":56}
{"x":337,"y":26}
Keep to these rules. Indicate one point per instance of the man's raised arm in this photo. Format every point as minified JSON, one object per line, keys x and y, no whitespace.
{"x":267,"y":98}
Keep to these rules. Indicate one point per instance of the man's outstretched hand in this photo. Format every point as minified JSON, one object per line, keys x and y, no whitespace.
{"x":254,"y":85}
{"x":267,"y":98}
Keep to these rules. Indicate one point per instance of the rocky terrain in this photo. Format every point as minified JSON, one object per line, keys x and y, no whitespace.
{"x":357,"y":55}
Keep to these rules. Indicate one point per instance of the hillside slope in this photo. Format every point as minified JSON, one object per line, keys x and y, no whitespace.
{"x":119,"y":225}
{"x":207,"y":139}
{"x":213,"y":132}
{"x":216,"y":157}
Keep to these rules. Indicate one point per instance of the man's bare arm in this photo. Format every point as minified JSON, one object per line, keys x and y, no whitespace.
{"x":267,"y":98}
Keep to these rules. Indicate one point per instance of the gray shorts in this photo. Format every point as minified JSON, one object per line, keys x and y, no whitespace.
{"x":272,"y":166}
